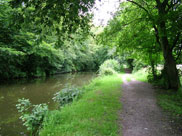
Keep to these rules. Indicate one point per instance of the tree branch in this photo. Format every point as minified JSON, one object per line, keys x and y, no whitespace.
{"x":175,"y":40}
{"x":165,"y":3}
{"x":140,"y":6}
{"x":133,"y":21}
{"x":157,"y":35}
{"x":179,"y":53}
{"x":171,"y":5}
{"x":158,"y":2}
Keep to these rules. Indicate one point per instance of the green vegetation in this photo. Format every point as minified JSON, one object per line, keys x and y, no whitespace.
{"x":170,"y":101}
{"x":49,"y":37}
{"x":90,"y":110}
{"x":94,"y":114}
{"x":141,"y":75}
{"x":109,"y":67}
{"x":29,"y":50}
{"x":67,"y":95}
{"x":152,"y":36}
{"x":32,"y":115}
{"x":42,"y":38}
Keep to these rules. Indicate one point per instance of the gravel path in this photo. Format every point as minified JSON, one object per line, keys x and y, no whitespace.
{"x":141,"y":116}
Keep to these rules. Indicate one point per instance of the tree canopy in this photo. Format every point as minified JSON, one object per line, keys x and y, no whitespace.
{"x":31,"y":47}
{"x":147,"y":29}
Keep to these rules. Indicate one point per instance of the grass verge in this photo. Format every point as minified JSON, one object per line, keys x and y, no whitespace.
{"x":170,"y":101}
{"x":95,"y":114}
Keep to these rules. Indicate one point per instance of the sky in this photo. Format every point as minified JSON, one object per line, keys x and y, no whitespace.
{"x":104,"y":10}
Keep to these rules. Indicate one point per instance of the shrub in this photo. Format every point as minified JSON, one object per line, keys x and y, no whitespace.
{"x":67,"y":95}
{"x":32,"y":115}
{"x":138,"y":65}
{"x":11,"y":62}
{"x":44,"y":60}
{"x":109,"y":67}
{"x":141,"y":74}
{"x":107,"y":71}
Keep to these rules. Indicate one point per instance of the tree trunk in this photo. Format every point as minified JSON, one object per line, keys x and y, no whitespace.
{"x":152,"y":64}
{"x":153,"y":70}
{"x":170,"y":72}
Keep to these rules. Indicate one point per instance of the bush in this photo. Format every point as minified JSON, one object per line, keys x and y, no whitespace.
{"x":11,"y":62}
{"x":32,"y":115}
{"x":138,"y":65}
{"x":42,"y":60}
{"x":141,"y":75}
{"x":67,"y":95}
{"x":109,"y":67}
{"x":107,"y":71}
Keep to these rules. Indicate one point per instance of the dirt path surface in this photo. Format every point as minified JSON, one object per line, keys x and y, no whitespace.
{"x":141,"y":116}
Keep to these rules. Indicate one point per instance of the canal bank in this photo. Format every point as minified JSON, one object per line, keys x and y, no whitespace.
{"x":38,"y":91}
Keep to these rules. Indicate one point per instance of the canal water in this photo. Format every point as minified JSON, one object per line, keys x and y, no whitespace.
{"x":37,"y":91}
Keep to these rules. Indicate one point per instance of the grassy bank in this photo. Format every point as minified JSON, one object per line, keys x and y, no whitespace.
{"x":170,"y":101}
{"x":95,"y":114}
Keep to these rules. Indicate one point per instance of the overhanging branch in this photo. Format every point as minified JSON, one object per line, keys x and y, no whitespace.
{"x":175,"y":40}
{"x":140,"y":6}
{"x":179,"y":53}
{"x":157,"y":35}
{"x":172,"y":5}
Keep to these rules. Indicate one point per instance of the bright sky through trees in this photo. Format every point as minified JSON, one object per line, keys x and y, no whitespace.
{"x":104,"y":10}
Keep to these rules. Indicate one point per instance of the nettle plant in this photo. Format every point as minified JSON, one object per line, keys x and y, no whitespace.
{"x":67,"y":95}
{"x":32,"y":115}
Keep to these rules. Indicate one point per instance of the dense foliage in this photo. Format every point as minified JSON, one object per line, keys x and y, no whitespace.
{"x":152,"y":36}
{"x":32,"y":115}
{"x":63,"y":16}
{"x":28,"y":49}
{"x":109,"y":67}
{"x":67,"y":95}
{"x":41,"y":38}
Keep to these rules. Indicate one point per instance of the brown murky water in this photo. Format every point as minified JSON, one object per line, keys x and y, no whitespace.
{"x":38,"y":91}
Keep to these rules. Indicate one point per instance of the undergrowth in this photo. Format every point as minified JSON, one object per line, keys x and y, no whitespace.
{"x":141,"y":75}
{"x":109,"y":67}
{"x":170,"y":101}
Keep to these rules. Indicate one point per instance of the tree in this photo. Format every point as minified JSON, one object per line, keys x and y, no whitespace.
{"x":165,"y":18}
{"x":133,"y":36}
{"x":65,"y":16}
{"x":29,"y":47}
